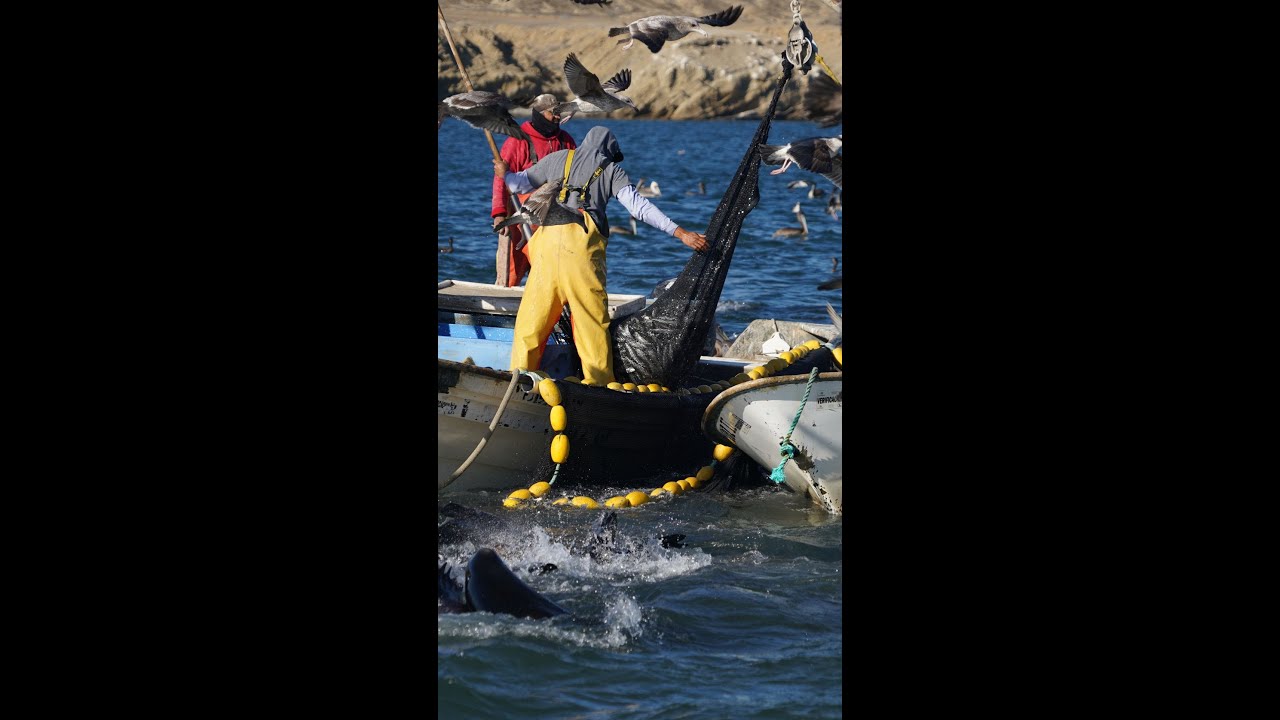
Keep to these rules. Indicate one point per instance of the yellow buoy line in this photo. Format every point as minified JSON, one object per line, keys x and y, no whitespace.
{"x":635,"y":498}
{"x":560,"y":442}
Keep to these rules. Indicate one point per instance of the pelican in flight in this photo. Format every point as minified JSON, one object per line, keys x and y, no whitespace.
{"x":656,"y":30}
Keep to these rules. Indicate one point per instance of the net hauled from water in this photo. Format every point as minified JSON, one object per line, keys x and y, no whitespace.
{"x":663,"y":342}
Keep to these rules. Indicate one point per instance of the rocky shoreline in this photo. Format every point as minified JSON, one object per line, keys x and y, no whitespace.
{"x":517,"y":47}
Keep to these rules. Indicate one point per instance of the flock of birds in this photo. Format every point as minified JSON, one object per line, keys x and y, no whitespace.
{"x":490,"y":111}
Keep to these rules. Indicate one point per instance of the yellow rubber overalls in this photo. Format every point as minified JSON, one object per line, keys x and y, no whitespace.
{"x":568,"y":268}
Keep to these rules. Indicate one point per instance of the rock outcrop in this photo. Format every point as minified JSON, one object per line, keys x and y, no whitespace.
{"x":518,"y":47}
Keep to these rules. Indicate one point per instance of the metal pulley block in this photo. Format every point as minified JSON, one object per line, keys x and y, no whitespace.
{"x":800,"y":47}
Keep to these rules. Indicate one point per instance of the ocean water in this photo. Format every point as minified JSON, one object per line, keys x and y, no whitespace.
{"x":769,"y":277}
{"x":745,"y":620}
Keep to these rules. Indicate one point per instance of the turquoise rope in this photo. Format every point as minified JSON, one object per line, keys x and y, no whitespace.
{"x":787,"y":450}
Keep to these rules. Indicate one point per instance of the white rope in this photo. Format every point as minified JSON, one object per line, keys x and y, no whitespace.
{"x":511,"y":390}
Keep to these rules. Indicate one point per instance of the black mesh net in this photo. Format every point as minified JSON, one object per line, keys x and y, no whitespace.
{"x":662,"y":343}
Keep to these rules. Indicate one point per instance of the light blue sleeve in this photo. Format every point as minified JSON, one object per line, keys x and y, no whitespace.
{"x":519,"y":182}
{"x":644,"y":211}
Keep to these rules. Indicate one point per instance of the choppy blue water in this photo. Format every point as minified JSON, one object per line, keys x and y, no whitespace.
{"x":743,"y":622}
{"x":769,"y":277}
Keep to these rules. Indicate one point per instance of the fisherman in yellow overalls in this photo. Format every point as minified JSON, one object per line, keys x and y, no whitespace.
{"x":568,"y":261}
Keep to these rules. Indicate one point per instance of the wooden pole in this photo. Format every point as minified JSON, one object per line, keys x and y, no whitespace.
{"x":466,"y":79}
{"x":503,"y":258}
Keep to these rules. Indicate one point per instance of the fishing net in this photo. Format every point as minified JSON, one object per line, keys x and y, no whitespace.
{"x":663,"y":342}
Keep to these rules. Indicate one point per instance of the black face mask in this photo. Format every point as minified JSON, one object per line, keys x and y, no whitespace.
{"x":543,"y":125}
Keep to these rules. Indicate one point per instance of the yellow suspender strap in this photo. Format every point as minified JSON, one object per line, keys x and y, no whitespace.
{"x":564,"y":184}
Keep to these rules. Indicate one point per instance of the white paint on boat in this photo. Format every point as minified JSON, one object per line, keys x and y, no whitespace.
{"x":755,"y":416}
{"x":463,"y":296}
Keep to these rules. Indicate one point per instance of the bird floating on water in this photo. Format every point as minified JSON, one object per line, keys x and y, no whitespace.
{"x":816,"y":154}
{"x":702,"y":189}
{"x":835,"y":283}
{"x":656,"y":30}
{"x":593,"y":97}
{"x":651,"y":191}
{"x":816,"y":192}
{"x":483,"y":111}
{"x":619,"y":230}
{"x":834,"y":205}
{"x":448,"y":249}
{"x":542,"y":208}
{"x":802,"y":231}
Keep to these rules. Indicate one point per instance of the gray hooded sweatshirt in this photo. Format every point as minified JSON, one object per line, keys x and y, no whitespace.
{"x":598,"y":145}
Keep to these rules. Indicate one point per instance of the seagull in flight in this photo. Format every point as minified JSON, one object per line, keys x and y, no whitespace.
{"x":654,"y":31}
{"x":816,"y":154}
{"x":592,"y":97}
{"x":483,"y":111}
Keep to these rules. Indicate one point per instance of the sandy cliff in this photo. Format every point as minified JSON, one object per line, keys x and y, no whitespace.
{"x":518,"y":47}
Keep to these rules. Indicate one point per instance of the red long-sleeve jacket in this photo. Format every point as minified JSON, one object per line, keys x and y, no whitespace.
{"x":515,"y":153}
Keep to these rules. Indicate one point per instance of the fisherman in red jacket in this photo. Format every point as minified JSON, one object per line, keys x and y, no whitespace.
{"x":543,"y":127}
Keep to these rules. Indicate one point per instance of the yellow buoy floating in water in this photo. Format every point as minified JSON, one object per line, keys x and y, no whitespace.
{"x":561,"y":501}
{"x":617,"y":502}
{"x":539,"y":489}
{"x":693,"y":482}
{"x":673,"y":488}
{"x":637,"y":498}
{"x":586,"y":502}
{"x":511,"y":502}
{"x":520,"y":494}
{"x":684,"y":485}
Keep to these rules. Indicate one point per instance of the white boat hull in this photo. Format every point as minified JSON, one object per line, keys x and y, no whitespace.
{"x":755,"y":416}
{"x":521,"y":439}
